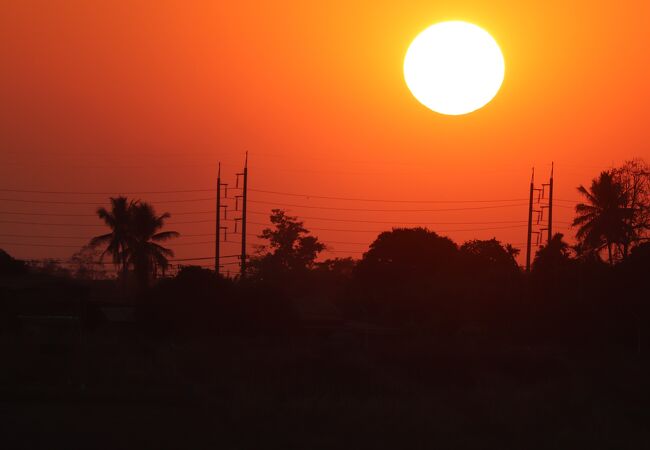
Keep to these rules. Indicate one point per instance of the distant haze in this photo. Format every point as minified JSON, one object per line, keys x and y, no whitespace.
{"x":147,"y":96}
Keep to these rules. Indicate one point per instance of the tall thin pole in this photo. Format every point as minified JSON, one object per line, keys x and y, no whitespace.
{"x":243,"y":219}
{"x":550,"y":206}
{"x":530,"y":221}
{"x":217,"y":232}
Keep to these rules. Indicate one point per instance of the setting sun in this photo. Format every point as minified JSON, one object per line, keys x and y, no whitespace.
{"x":454,"y":68}
{"x":318,"y":225}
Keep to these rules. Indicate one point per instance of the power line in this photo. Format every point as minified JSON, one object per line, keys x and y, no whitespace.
{"x":29,"y":191}
{"x":53,"y":224}
{"x":254,"y":223}
{"x":43,"y":214}
{"x":185,"y":222}
{"x":508,"y":203}
{"x":97,"y":204}
{"x":20,"y":213}
{"x":211,"y":266}
{"x":393,"y":221}
{"x":19,"y":222}
{"x":349,"y":243}
{"x":45,"y":236}
{"x":397,"y":226}
{"x":387,"y":210}
{"x":324,"y":197}
{"x":200,"y":258}
{"x":209,"y":242}
{"x":266,"y":214}
{"x":290,"y":194}
{"x":299,"y":216}
{"x":29,"y":244}
{"x":109,"y":263}
{"x":186,"y":191}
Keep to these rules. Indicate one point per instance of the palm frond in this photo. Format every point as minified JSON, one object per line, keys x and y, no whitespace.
{"x":164,"y":236}
{"x":584,"y":208}
{"x":583,"y":190}
{"x":161,"y":261}
{"x":100,"y":240}
{"x":162,"y":250}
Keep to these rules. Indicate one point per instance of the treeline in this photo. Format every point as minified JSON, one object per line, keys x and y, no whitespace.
{"x":410,"y":281}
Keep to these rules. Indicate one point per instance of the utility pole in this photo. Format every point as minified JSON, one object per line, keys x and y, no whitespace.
{"x":218,"y":227}
{"x":243,"y":217}
{"x":550,"y":206}
{"x":217,"y":232}
{"x":530,"y":221}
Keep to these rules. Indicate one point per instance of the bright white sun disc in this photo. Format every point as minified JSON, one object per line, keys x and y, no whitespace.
{"x":454,"y":68}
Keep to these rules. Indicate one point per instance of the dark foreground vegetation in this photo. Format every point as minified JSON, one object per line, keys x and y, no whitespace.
{"x":423,"y":343}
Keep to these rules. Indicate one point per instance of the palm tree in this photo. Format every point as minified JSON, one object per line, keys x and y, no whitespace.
{"x":118,"y":219}
{"x":144,"y":249}
{"x":603,"y":220}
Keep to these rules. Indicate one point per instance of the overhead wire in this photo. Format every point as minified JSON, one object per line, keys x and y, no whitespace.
{"x":179,"y":191}
{"x":510,"y":203}
{"x":267,"y":213}
{"x":386,"y":210}
{"x":98,"y":204}
{"x":290,"y":194}
{"x":377,"y":200}
{"x":264,"y":191}
{"x":276,"y":204}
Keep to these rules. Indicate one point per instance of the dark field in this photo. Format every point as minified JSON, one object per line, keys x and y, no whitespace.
{"x":120,"y":390}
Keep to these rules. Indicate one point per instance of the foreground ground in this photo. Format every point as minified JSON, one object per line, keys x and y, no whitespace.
{"x":125,"y":391}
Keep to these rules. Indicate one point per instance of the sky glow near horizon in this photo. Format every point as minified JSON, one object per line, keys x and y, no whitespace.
{"x":143,"y":96}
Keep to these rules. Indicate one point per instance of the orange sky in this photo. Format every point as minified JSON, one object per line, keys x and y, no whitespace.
{"x":149,"y":95}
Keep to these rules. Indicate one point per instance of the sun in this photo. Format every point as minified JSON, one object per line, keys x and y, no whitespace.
{"x":454,"y":68}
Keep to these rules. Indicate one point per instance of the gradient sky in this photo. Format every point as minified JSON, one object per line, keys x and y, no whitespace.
{"x":121,"y":96}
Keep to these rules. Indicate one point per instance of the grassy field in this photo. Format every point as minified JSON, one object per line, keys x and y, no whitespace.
{"x":124,"y":391}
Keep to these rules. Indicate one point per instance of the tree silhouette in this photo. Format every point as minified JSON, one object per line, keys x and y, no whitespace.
{"x":553,"y":256}
{"x":85,"y":266}
{"x":488,"y":281}
{"x":411,"y":252}
{"x":490,"y":254}
{"x":144,"y":249}
{"x":118,"y":219}
{"x":11,"y":266}
{"x":406,"y":275}
{"x":512,"y":251}
{"x":290,"y":248}
{"x":339,"y":267}
{"x":634,"y":177}
{"x":134,"y":238}
{"x":603,"y":221}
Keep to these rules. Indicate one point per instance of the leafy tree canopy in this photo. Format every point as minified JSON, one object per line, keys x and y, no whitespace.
{"x":290,"y":247}
{"x":408,"y":252}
